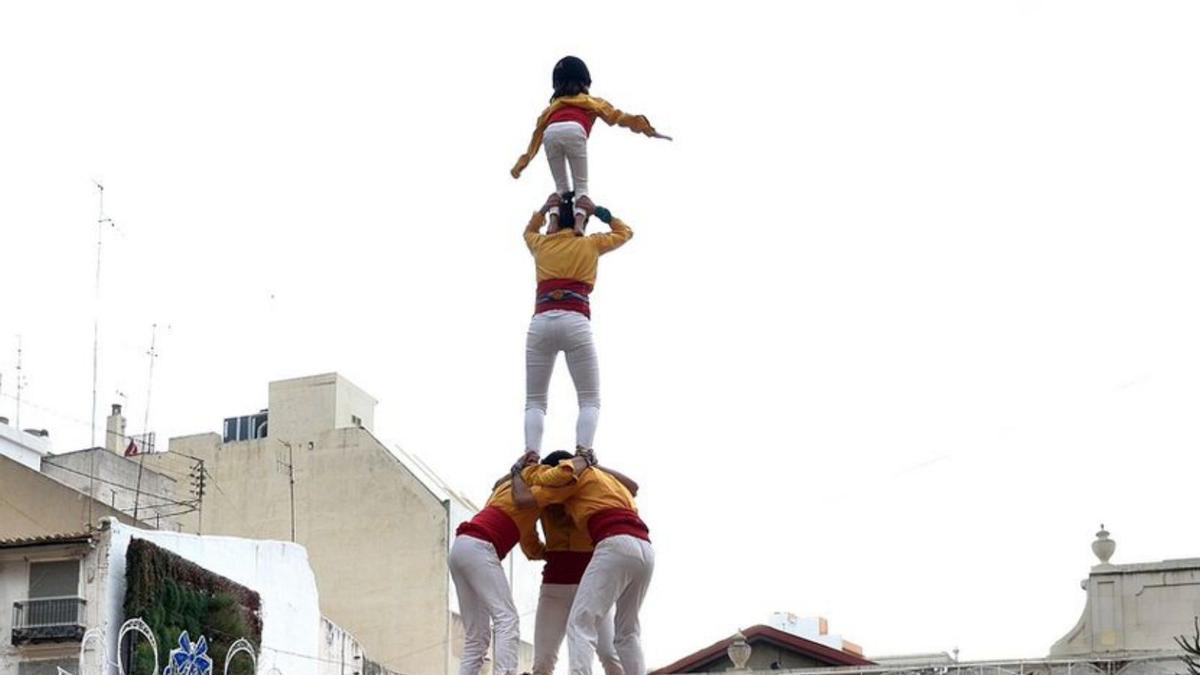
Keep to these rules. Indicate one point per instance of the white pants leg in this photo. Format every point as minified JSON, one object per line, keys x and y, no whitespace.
{"x":606,"y":651}
{"x":584,"y":366}
{"x":619,"y":576}
{"x":484,"y":598}
{"x":554,"y":607}
{"x":541,"y":349}
{"x":549,"y":333}
{"x":566,"y":143}
{"x":550,"y":625}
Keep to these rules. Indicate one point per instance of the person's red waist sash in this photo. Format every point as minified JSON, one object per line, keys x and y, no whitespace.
{"x":493,"y":526}
{"x":565,"y":567}
{"x":569,"y":113}
{"x":611,"y":522}
{"x":567,"y":294}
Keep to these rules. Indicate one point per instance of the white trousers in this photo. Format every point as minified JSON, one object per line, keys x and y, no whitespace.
{"x":554,"y":607}
{"x":618,"y":575}
{"x":571,"y":333}
{"x":484,"y":602}
{"x":566,"y":143}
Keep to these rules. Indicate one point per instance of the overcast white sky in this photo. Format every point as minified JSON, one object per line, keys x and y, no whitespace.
{"x":911,"y":308}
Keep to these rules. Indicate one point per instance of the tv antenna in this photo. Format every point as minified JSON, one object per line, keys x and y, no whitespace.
{"x":20,"y":382}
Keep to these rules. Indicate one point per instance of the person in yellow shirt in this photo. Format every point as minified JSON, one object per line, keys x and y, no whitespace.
{"x":618,"y":575}
{"x":485,"y":600}
{"x":566,"y":264}
{"x":567,"y":552}
{"x":564,"y":127}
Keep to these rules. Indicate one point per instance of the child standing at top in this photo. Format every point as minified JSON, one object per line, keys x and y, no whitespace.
{"x":564,"y":128}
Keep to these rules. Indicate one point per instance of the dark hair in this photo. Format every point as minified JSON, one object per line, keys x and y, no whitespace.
{"x":570,"y":77}
{"x":566,"y":215}
{"x":555,"y":457}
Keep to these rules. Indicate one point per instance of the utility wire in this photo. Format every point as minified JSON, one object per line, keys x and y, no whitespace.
{"x":166,"y":500}
{"x":61,"y":415}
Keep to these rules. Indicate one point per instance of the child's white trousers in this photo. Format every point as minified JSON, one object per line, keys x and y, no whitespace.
{"x":566,"y":143}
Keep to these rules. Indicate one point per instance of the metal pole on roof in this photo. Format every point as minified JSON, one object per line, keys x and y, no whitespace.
{"x":145,"y":423}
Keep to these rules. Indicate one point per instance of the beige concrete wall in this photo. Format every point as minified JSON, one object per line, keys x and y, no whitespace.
{"x":301,"y":407}
{"x":376,"y":537}
{"x":1137,"y":607}
{"x":116,"y":483}
{"x":35,"y":504}
{"x":353,"y":402}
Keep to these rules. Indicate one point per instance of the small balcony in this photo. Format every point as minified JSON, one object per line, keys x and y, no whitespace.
{"x":48,"y":620}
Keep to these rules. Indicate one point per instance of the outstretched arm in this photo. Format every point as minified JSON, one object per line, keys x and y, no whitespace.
{"x":638,"y":124}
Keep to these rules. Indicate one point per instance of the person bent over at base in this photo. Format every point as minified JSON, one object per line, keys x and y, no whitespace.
{"x":622,"y":563}
{"x":567,"y":552}
{"x":485,"y":600}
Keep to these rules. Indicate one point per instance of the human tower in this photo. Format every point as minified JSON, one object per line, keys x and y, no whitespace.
{"x":597,"y":552}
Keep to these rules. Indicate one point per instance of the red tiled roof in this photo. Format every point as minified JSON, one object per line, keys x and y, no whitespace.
{"x":762,"y":633}
{"x":46,"y":540}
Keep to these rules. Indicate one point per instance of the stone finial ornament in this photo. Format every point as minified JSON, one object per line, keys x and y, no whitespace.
{"x":739,"y":651}
{"x":1103,"y":547}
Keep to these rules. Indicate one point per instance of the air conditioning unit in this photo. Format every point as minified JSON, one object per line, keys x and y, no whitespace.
{"x":246,"y":427}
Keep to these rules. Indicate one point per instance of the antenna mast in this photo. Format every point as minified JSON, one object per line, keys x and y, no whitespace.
{"x":145,"y":421}
{"x":20,"y":382}
{"x":100,"y":221}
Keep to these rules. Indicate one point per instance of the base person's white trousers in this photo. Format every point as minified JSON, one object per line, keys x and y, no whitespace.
{"x":618,"y":576}
{"x":550,"y":626}
{"x":484,"y":602}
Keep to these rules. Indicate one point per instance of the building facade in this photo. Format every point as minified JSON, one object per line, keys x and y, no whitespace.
{"x":1131,"y":617}
{"x":1133,"y":610}
{"x":36,"y":504}
{"x":63,"y":587}
{"x":377,"y":527}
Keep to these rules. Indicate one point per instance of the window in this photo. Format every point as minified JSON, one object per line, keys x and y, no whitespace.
{"x":356,"y":420}
{"x":57,"y":579}
{"x":53,"y":611}
{"x":246,"y":427}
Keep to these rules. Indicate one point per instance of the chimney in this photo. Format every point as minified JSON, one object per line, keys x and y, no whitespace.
{"x":114,"y":437}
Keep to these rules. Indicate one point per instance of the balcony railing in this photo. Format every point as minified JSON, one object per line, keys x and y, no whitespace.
{"x":48,"y":620}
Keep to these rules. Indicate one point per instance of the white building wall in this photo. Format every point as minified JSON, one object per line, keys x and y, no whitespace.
{"x":278,"y":571}
{"x":22,"y":447}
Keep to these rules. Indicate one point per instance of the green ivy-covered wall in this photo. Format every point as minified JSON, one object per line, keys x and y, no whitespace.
{"x":173,"y":595}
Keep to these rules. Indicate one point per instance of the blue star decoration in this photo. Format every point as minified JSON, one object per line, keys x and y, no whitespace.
{"x":190,"y":659}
